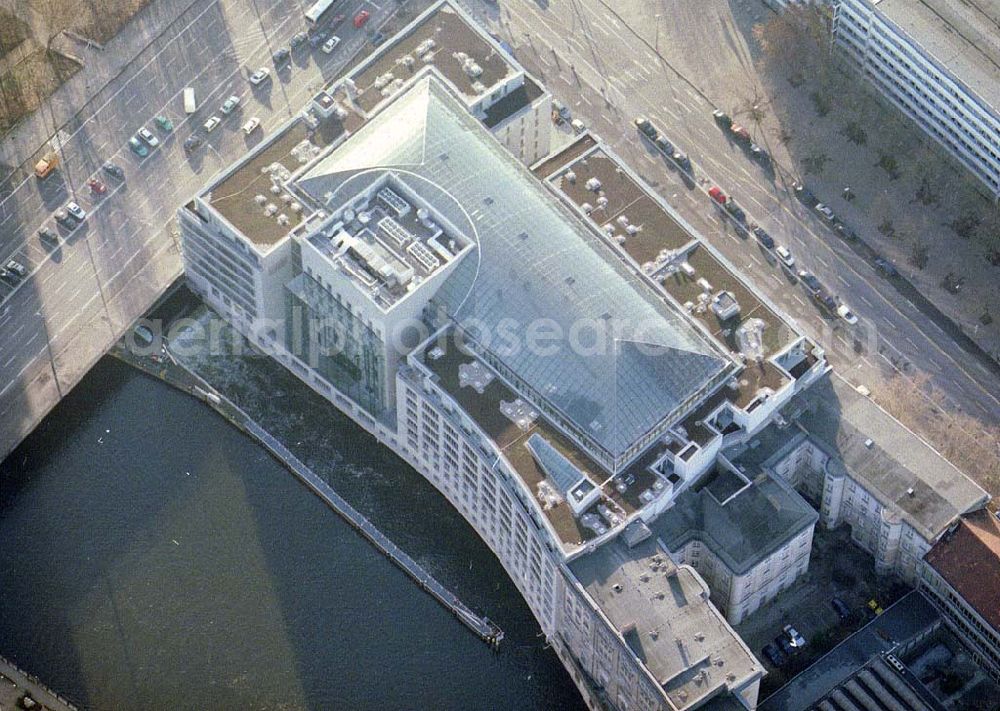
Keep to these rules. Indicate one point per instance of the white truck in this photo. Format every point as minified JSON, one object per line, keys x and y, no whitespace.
{"x":189,"y":103}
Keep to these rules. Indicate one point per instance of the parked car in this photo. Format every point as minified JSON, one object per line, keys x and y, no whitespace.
{"x":46,"y":165}
{"x":165,"y":124}
{"x":826,"y":300}
{"x":886,"y":268}
{"x":578,"y":125}
{"x":114,"y":170}
{"x":664,"y":144}
{"x":804,"y":195}
{"x":96,"y":186}
{"x":841,"y":608}
{"x":76,"y":211}
{"x":211,"y":124}
{"x":252,"y":125}
{"x":331,"y":44}
{"x":681,"y":159}
{"x":147,"y":136}
{"x":763,"y":237}
{"x":317,"y":38}
{"x":260,"y":76}
{"x":281,"y":56}
{"x":846,"y":232}
{"x":772,"y":652}
{"x":785,"y":257}
{"x":722,"y":118}
{"x":784,"y":645}
{"x":735,"y":211}
{"x":844,"y":311}
{"x":740,"y":133}
{"x":825,"y":211}
{"x":15,"y":267}
{"x":337,"y":21}
{"x":812,"y":284}
{"x":561,"y":110}
{"x":645,"y":126}
{"x":760,"y":155}
{"x":230,"y":104}
{"x":361,"y":18}
{"x":298,"y":39}
{"x":47,"y":235}
{"x":715,"y":192}
{"x":63,"y":218}
{"x":192,"y":142}
{"x":797,"y":640}
{"x":377,"y":39}
{"x":136,"y":145}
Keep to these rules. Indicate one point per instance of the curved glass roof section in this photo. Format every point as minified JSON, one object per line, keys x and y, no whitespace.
{"x":625,"y":360}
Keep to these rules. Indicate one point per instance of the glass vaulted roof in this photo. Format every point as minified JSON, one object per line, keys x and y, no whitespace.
{"x":542,"y":295}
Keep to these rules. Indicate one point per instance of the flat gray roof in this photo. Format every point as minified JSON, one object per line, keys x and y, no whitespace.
{"x":663,"y":613}
{"x":964,"y":37}
{"x":743,"y":530}
{"x":840,"y":420}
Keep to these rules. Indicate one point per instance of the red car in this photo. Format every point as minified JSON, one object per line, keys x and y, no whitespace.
{"x":716,"y":194}
{"x":96,"y":186}
{"x":740,"y":132}
{"x":361,"y":18}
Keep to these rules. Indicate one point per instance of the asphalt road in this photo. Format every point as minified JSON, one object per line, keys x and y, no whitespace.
{"x":82,"y":293}
{"x":592,"y":60}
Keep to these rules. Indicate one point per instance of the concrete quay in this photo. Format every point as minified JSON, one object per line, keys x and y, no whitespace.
{"x":21,"y":690}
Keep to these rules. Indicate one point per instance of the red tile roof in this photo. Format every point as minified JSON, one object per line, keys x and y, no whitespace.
{"x":969,"y":560}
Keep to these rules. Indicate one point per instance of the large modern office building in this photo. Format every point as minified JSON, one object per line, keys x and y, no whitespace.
{"x":938,"y":61}
{"x":543,"y":338}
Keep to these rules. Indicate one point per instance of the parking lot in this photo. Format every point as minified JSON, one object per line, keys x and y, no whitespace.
{"x":86,"y":287}
{"x":837,"y":568}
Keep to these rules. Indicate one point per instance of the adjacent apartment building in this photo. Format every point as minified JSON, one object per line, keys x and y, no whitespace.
{"x":859,"y":466}
{"x":938,"y":61}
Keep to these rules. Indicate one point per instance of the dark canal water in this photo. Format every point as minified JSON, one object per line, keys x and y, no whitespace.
{"x":154,"y":558}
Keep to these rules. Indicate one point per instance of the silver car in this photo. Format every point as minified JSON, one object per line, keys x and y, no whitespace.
{"x":76,"y":211}
{"x":147,"y":135}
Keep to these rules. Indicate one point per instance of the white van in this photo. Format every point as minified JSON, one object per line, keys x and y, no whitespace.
{"x":189,"y":104}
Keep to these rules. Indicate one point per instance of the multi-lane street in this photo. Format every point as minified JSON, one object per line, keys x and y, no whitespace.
{"x":84,"y":289}
{"x":608,"y":75}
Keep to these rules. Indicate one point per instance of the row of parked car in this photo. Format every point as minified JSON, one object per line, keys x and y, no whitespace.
{"x":662,"y":143}
{"x":742,"y":136}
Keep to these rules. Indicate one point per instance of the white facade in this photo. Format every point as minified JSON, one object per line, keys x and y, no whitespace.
{"x":897,"y":547}
{"x":922,"y":86}
{"x":739,"y":596}
{"x":444,"y":445}
{"x":528,"y":133}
